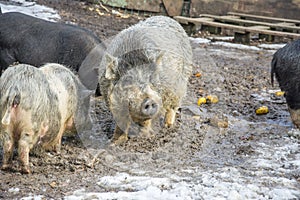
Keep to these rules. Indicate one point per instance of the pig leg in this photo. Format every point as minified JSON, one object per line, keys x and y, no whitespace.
{"x":120,"y":136}
{"x":55,"y":145}
{"x":69,"y":123}
{"x":23,"y":150}
{"x":8,"y":147}
{"x":170,"y":117}
{"x":295,"y":115}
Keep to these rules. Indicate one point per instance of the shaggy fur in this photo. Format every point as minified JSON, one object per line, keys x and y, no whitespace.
{"x":37,"y":106}
{"x":152,"y":59}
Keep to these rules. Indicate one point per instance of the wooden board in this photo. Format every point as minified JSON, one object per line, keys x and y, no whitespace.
{"x":282,"y":25}
{"x":239,"y":29}
{"x":260,"y":27}
{"x":286,"y":24}
{"x":265,"y":18}
{"x":272,"y":8}
{"x":173,"y":7}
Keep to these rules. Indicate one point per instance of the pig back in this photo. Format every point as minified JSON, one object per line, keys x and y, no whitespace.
{"x":64,"y":87}
{"x":33,"y":90}
{"x":74,"y":98}
{"x":27,"y":39}
{"x":157,"y":38}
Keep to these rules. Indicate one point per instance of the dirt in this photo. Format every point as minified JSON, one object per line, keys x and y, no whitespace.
{"x":237,"y":77}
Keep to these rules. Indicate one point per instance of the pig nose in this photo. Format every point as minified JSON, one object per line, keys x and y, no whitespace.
{"x":149,"y":107}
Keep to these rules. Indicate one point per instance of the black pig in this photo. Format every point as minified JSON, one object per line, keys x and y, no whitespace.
{"x":286,"y":67}
{"x":29,"y":40}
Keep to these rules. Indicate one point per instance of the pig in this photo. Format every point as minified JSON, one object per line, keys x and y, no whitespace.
{"x":144,"y":74}
{"x":37,"y":106}
{"x":29,"y":40}
{"x":285,"y":66}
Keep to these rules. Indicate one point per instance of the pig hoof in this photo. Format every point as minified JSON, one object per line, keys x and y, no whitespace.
{"x":169,"y":123}
{"x":148,"y":133}
{"x":25,"y":170}
{"x":5,"y":167}
{"x":122,"y":139}
{"x":57,"y":148}
{"x":53,"y":148}
{"x":57,"y":151}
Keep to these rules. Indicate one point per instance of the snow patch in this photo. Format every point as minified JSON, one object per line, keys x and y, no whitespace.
{"x":237,"y":46}
{"x":128,"y":182}
{"x":32,"y":9}
{"x":33,"y":197}
{"x":222,"y":38}
{"x":271,"y":46}
{"x":14,"y":190}
{"x":199,"y":40}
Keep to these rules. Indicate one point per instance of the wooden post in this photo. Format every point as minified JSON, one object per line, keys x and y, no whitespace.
{"x":266,"y":37}
{"x":211,"y":29}
{"x":189,"y":28}
{"x":243,"y":38}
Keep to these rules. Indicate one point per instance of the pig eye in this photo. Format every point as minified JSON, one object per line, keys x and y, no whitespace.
{"x":26,"y":134}
{"x":127,"y":81}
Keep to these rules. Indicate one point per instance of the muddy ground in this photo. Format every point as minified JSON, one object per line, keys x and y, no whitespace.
{"x":208,"y":137}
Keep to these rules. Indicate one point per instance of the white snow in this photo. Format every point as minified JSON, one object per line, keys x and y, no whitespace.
{"x":14,"y":190}
{"x":33,"y":197}
{"x":156,"y":190}
{"x":271,"y":46}
{"x":199,"y":40}
{"x":236,"y":46}
{"x":221,"y":38}
{"x":223,"y":41}
{"x":295,"y":133}
{"x":31,"y":8}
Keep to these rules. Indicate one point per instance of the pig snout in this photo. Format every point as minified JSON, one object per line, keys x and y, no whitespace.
{"x":149,"y":107}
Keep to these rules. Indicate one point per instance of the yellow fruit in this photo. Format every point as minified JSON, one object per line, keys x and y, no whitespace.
{"x":279,"y":93}
{"x":262,"y":110}
{"x":212,"y":99}
{"x":201,"y":100}
{"x":198,"y":74}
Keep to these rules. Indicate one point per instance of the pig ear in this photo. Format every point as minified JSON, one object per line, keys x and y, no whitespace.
{"x":111,"y":66}
{"x":159,"y":58}
{"x":6,"y":118}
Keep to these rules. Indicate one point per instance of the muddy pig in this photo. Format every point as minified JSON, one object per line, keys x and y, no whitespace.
{"x":29,"y":40}
{"x":145,"y":71}
{"x":37,"y":106}
{"x":286,"y":67}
